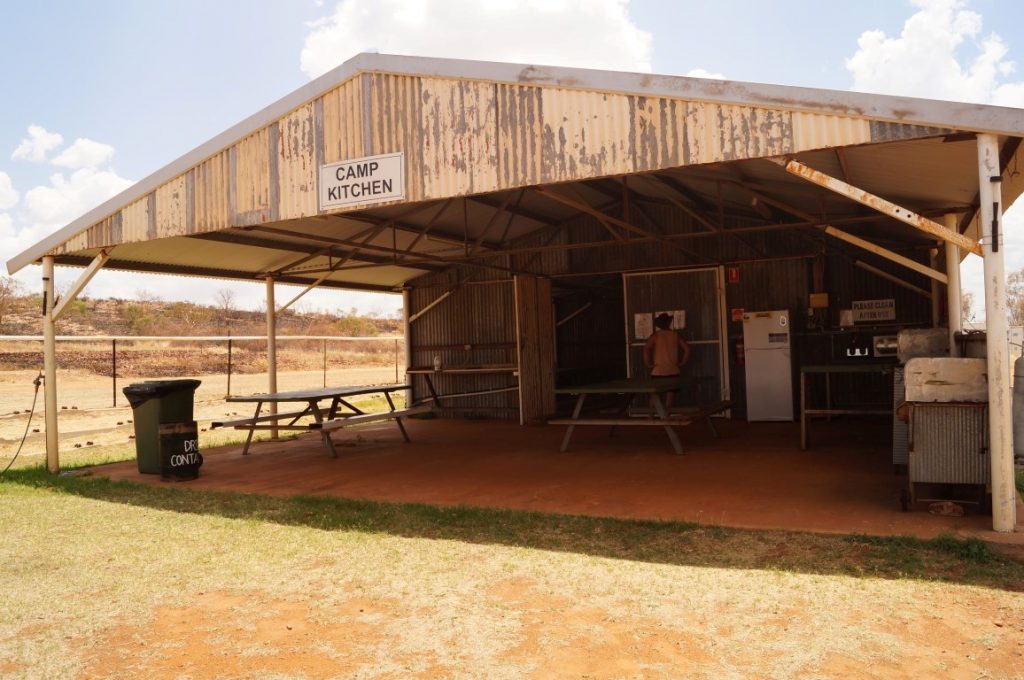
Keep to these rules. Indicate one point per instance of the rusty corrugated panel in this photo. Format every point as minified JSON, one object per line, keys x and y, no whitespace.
{"x":252,"y":178}
{"x":170,"y":208}
{"x":395,"y":104}
{"x":460,"y":148}
{"x":519,"y":134}
{"x":211,"y":194}
{"x":658,"y":138}
{"x":949,"y":444}
{"x":473,"y":315}
{"x":135,"y":220}
{"x":818,"y":131}
{"x":585,"y":134}
{"x":296,"y":165}
{"x":718,"y":132}
{"x":343,"y":123}
{"x":889,"y":132}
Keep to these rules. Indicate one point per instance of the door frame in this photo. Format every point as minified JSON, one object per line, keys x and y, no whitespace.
{"x":723,"y":322}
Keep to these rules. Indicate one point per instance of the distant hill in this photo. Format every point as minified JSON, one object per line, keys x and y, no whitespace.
{"x":87,"y":316}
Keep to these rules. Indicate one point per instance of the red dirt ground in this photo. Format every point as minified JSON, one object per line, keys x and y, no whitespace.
{"x":753,"y":476}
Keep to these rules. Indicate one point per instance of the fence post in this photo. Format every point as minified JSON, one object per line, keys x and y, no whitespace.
{"x":396,"y":362}
{"x":324,"y":341}
{"x":113,"y":367}
{"x":229,"y":368}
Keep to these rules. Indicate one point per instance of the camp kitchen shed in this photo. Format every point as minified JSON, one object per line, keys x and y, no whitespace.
{"x":533,"y":217}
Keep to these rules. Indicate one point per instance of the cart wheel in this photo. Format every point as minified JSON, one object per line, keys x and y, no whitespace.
{"x":905,"y":500}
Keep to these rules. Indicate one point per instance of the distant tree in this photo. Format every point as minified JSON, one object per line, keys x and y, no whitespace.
{"x":146,"y":296}
{"x":1015,"y":297}
{"x":967,"y":305}
{"x":225,"y":301}
{"x":10,"y":289}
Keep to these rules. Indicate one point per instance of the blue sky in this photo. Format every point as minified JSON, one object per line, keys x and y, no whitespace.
{"x":130,"y":86}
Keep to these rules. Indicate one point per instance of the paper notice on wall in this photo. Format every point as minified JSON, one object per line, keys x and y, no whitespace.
{"x":678,"y":318}
{"x":643,"y":325}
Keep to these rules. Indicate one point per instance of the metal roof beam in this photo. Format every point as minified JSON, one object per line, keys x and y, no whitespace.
{"x":886,"y":253}
{"x":585,"y":207}
{"x":878,"y":203}
{"x":492,"y":202}
{"x":213,"y":273}
{"x":273,"y":244}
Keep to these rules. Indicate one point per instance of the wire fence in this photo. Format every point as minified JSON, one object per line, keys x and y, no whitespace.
{"x":95,"y":418}
{"x":122,"y":359}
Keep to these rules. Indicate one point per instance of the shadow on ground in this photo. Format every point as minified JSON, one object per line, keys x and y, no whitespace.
{"x":946,"y":559}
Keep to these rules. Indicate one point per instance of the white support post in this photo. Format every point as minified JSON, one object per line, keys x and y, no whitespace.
{"x":933,"y":260}
{"x":50,"y":367}
{"x":271,"y":349}
{"x":407,"y":331}
{"x":990,"y":216}
{"x":953,"y":291}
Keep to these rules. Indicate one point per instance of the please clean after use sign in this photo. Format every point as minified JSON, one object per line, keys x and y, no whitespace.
{"x":362,"y":180}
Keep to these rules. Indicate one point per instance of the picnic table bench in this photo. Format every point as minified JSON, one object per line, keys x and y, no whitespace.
{"x":654,"y":387}
{"x":335,"y":414}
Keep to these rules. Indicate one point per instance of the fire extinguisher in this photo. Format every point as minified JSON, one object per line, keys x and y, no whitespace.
{"x":738,"y":352}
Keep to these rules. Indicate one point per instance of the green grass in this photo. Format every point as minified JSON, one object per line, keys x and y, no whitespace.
{"x":1020,"y":481}
{"x":949,"y":559}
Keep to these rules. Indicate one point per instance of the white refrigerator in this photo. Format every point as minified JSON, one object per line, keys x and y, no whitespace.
{"x":769,"y":365}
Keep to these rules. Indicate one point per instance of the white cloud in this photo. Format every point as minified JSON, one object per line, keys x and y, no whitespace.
{"x":38,"y":143}
{"x":929,"y":58}
{"x":8,"y":196}
{"x":941,"y":53}
{"x":587,"y":33}
{"x":84,"y":153}
{"x":47,"y":208}
{"x":702,"y":73}
{"x":69,"y":197}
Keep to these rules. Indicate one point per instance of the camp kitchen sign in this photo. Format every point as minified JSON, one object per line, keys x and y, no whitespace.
{"x":865,"y":311}
{"x":362,"y":180}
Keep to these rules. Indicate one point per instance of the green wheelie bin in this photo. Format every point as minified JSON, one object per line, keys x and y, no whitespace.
{"x":166,"y":440}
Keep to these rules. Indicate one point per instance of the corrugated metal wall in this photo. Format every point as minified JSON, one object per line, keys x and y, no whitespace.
{"x":696,"y":293}
{"x":592,"y":346}
{"x":949,"y":444}
{"x":480,"y":316}
{"x":465,"y":136}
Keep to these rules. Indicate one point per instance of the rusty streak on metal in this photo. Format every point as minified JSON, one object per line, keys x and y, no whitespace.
{"x":883,"y":206}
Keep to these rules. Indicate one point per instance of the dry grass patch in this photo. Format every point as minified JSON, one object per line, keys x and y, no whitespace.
{"x":126,"y":580}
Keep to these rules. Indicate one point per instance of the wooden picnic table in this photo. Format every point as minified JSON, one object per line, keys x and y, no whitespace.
{"x":329,"y":407}
{"x":654,"y":388}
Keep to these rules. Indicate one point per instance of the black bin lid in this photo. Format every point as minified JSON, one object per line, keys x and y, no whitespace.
{"x":138,"y":393}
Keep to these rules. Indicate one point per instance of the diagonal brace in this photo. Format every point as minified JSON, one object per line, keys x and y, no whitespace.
{"x":880,"y":204}
{"x":81,"y":283}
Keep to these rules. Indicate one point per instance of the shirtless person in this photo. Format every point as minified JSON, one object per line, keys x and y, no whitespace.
{"x":665,"y":352}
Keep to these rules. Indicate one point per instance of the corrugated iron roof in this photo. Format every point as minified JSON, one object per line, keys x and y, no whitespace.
{"x":486,"y":134}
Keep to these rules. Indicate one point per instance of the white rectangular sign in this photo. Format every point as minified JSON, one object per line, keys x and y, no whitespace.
{"x":362,"y":180}
{"x":874,"y":310}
